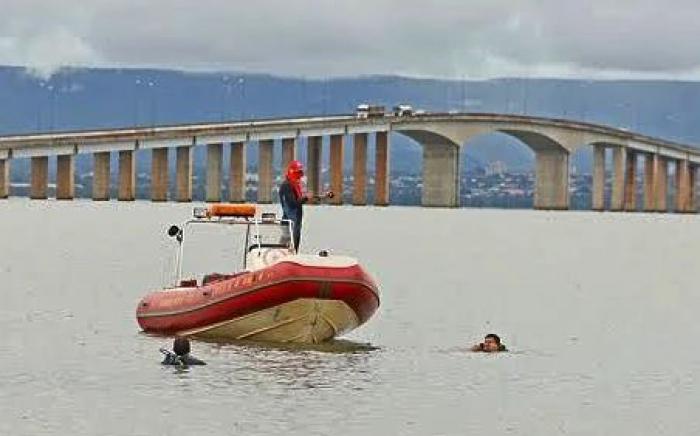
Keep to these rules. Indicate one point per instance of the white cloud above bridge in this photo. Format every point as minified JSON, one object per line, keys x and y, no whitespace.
{"x":321,"y":38}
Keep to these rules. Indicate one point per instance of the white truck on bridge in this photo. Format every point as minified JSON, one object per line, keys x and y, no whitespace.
{"x":364,"y":111}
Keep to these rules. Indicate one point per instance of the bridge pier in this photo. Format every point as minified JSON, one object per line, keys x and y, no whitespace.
{"x":40,"y":177}
{"x":631,"y":181}
{"x":4,"y":178}
{"x":683,"y":187}
{"x":381,"y":169}
{"x":215,"y":154}
{"x":289,"y":148}
{"x":617,"y":197}
{"x":237,"y":173}
{"x":313,"y":164}
{"x":649,"y":182}
{"x":265,"y":156}
{"x":101,"y":173}
{"x":183,"y":174}
{"x":127,"y":176}
{"x":65,"y":177}
{"x":661,"y":183}
{"x":440,"y":175}
{"x":692,"y":180}
{"x":159,"y":174}
{"x":598,"y":194}
{"x":551,"y":179}
{"x":359,"y":169}
{"x":336,"y":171}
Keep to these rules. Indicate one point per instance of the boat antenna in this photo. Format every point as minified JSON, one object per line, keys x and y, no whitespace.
{"x":177,"y":233}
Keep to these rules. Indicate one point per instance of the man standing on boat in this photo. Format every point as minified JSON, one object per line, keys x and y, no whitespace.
{"x":292,"y":199}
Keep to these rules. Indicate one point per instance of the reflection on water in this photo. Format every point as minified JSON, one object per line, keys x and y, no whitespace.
{"x":332,"y":346}
{"x":301,"y":369}
{"x":295,"y":366}
{"x":598,"y":310}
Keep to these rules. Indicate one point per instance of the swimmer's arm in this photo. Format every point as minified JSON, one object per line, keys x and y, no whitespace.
{"x":194,"y":361}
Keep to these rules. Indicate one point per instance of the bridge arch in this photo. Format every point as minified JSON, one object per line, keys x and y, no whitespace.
{"x":440,"y":168}
{"x":441,"y":163}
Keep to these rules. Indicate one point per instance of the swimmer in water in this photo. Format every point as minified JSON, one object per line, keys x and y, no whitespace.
{"x":492,"y":344}
{"x":180,"y":356}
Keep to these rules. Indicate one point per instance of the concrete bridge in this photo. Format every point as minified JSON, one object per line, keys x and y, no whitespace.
{"x":441,"y":136}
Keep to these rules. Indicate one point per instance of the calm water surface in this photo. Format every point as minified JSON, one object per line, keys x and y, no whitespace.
{"x":600,"y":310}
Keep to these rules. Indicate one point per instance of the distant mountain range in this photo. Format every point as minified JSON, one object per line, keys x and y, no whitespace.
{"x":80,"y":98}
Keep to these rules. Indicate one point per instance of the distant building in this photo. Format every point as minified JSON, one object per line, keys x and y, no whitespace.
{"x":497,"y":168}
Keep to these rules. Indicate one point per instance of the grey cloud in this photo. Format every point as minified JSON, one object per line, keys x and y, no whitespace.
{"x":439,"y":38}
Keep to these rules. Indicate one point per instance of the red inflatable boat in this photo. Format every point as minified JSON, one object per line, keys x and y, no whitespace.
{"x":280,"y":296}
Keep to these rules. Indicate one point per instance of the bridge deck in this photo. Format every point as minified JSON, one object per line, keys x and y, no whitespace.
{"x":251,"y":130}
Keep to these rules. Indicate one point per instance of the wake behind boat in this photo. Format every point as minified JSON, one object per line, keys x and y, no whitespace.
{"x":279,"y":296}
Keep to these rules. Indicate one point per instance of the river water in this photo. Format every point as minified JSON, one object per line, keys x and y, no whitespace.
{"x":600,"y":312}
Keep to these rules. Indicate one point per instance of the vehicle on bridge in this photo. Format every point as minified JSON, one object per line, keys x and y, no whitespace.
{"x":403,"y":110}
{"x":364,"y":111}
{"x":278,"y":296}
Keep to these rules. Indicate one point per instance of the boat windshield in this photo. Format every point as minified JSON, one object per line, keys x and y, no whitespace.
{"x":273,"y":235}
{"x":229,"y":246}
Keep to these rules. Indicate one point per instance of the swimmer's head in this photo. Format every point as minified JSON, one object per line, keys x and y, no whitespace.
{"x":181,"y":346}
{"x":492,"y":343}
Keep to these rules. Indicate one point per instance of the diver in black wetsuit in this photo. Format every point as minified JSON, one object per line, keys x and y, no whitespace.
{"x":180,"y":356}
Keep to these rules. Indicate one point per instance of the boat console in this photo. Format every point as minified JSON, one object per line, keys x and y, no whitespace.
{"x":267,"y":238}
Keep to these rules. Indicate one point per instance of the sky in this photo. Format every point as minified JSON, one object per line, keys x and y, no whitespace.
{"x":472,"y":39}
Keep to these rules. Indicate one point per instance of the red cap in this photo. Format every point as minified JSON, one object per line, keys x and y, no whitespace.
{"x":295,"y":170}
